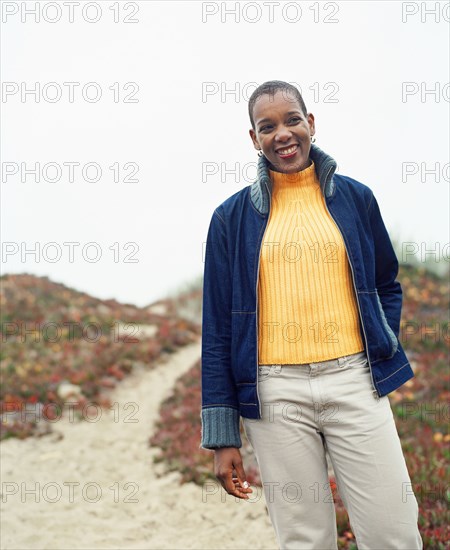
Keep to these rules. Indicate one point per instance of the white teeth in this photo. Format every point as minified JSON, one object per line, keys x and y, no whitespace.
{"x":288,"y":150}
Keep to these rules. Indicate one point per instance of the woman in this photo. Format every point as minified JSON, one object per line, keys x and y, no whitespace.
{"x":301,"y":316}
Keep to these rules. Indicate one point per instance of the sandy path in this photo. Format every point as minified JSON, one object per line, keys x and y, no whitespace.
{"x":102,"y":457}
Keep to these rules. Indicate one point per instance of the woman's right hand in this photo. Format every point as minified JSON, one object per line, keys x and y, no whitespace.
{"x":227,"y":459}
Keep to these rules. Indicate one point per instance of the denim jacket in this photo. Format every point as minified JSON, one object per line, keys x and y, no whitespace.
{"x":229,"y":357}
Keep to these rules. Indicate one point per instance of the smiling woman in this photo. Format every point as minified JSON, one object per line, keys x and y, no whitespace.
{"x":301,"y":312}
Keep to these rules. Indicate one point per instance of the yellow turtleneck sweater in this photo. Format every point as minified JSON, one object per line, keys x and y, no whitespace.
{"x":307,"y":305}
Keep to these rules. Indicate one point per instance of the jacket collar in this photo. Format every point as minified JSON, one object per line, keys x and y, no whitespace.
{"x":261,"y":189}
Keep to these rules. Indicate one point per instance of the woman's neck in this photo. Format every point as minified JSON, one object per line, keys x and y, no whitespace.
{"x":273,"y":169}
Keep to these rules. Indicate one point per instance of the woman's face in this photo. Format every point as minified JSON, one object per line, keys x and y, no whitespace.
{"x":282,"y":132}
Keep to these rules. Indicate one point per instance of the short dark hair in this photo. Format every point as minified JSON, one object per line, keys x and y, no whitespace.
{"x":271,"y":87}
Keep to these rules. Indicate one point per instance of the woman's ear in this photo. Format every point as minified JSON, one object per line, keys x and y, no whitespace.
{"x":256,"y":145}
{"x":311,"y":123}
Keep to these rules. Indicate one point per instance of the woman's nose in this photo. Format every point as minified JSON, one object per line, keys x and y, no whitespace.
{"x":283,"y":134}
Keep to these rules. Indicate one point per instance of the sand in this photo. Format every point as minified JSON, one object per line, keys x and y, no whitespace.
{"x":93,"y":485}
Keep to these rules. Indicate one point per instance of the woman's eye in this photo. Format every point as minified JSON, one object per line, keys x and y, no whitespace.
{"x":294,"y":120}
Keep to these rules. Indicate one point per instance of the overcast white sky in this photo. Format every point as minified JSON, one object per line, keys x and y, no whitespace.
{"x":351,"y":71}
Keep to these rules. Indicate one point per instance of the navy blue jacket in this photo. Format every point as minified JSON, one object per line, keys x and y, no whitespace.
{"x":229,"y":360}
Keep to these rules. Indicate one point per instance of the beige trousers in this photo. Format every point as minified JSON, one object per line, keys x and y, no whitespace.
{"x":330,"y":406}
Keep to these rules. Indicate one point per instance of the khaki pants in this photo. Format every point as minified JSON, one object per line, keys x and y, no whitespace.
{"x":330,"y":406}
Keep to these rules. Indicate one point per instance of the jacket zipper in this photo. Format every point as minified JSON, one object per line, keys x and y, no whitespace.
{"x":375,"y":391}
{"x":257,"y":312}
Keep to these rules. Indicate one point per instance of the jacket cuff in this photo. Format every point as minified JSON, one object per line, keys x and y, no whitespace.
{"x":220,"y":427}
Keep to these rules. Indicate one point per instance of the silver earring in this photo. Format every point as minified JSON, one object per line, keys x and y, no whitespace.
{"x":313,"y":139}
{"x":260,"y":154}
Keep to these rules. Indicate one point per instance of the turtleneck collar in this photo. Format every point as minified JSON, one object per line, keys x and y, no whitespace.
{"x":304,"y":178}
{"x":261,"y":188}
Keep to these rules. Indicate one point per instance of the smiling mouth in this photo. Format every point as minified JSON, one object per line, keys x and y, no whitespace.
{"x":287,"y":151}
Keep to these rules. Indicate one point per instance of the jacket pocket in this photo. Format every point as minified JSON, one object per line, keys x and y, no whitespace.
{"x":387,"y":328}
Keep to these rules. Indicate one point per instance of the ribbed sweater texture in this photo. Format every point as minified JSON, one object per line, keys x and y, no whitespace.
{"x":307,"y":308}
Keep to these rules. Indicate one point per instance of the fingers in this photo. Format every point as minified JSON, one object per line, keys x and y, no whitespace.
{"x":243,"y":487}
{"x":233,"y":488}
